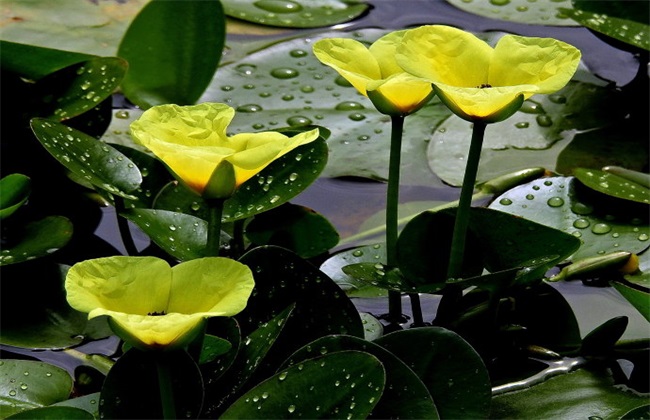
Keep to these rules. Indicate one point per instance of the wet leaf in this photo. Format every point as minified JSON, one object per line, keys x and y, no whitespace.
{"x":34,"y":62}
{"x":131,"y":388}
{"x":585,"y":393}
{"x":295,"y":13}
{"x":89,"y":403}
{"x":92,"y":160}
{"x":213,"y":347}
{"x":78,"y":88}
{"x":180,"y":235}
{"x":405,"y":396}
{"x":309,"y":390}
{"x":601,"y":341}
{"x":372,"y":327}
{"x":294,"y":227}
{"x":54,"y":413}
{"x":354,"y":288}
{"x":36,"y":239}
{"x":541,"y":12}
{"x":449,"y":367}
{"x":28,"y":384}
{"x":638,"y":297}
{"x":171,"y":63}
{"x":14,"y":192}
{"x":612,"y":184}
{"x":558,"y":202}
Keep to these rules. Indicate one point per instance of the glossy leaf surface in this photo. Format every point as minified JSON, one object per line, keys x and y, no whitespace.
{"x":14,"y":191}
{"x":542,"y":12}
{"x":36,"y":239}
{"x":34,"y":62}
{"x":614,"y":185}
{"x":334,"y":265}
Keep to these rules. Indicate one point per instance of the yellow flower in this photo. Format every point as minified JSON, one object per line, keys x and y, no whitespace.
{"x":192,"y":142}
{"x":481,"y":83}
{"x":154,"y":306}
{"x":374,"y":72}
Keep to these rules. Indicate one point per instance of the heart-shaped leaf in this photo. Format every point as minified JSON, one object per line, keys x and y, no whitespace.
{"x":333,"y":267}
{"x":613,"y":185}
{"x":36,"y":239}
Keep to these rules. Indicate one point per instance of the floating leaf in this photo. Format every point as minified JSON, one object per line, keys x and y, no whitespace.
{"x":297,"y":228}
{"x":27,"y":384}
{"x":309,"y":389}
{"x":295,"y":13}
{"x":559,"y":203}
{"x":79,"y":87}
{"x":179,"y":234}
{"x":54,"y":413}
{"x":92,"y":160}
{"x":14,"y":192}
{"x":540,"y":12}
{"x":614,"y":185}
{"x":372,"y":327}
{"x":333,"y":267}
{"x":601,"y":341}
{"x":449,"y":367}
{"x":34,"y":62}
{"x":639,"y":298}
{"x":171,"y":63}
{"x":36,"y":239}
{"x":212,"y":348}
{"x":405,"y":396}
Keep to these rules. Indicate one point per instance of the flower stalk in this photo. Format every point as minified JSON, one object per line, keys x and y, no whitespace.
{"x":213,"y":245}
{"x":166,"y":390}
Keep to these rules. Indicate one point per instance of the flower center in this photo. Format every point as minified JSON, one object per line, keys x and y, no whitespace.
{"x":484,"y":85}
{"x":156,"y":313}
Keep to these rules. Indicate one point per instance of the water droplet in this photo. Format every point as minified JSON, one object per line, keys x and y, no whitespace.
{"x":348,"y":106}
{"x":555,"y":202}
{"x":557,"y":99}
{"x":530,"y":197}
{"x":544,"y":120}
{"x":282,"y":376}
{"x":287,"y":97}
{"x":356,"y":116}
{"x":499,"y":2}
{"x":298,"y":120}
{"x":523,"y":124}
{"x":306,"y":89}
{"x":249,"y":108}
{"x":581,"y":223}
{"x":582,"y":209}
{"x":284,"y":73}
{"x":246,"y":68}
{"x":505,"y":201}
{"x":357,"y":253}
{"x":521,"y":8}
{"x":291,"y":408}
{"x":12,"y":393}
{"x":342,"y":81}
{"x":23,"y":386}
{"x":643,"y":237}
{"x":278,"y":6}
{"x":601,"y":228}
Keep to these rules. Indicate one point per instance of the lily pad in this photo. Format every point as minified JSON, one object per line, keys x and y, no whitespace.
{"x":540,"y":12}
{"x":533,"y":136}
{"x":92,"y":160}
{"x":638,"y":297}
{"x":28,"y":384}
{"x":54,"y":413}
{"x":89,"y":403}
{"x":614,"y":185}
{"x":14,"y":192}
{"x":286,"y":84}
{"x":295,"y":13}
{"x":558,"y":203}
{"x":36,"y":239}
{"x":34,"y":62}
{"x":333,"y":267}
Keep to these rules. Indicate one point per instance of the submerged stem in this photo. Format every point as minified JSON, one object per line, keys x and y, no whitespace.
{"x":166,"y":390}
{"x":214,"y":227}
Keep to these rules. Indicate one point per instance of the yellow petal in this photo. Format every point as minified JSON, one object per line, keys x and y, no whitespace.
{"x":400,"y":94}
{"x":135,"y":285}
{"x":384,"y":50}
{"x":482,"y":104}
{"x":212,"y":286}
{"x":442,"y":54}
{"x":546,"y":63}
{"x":350,"y":58}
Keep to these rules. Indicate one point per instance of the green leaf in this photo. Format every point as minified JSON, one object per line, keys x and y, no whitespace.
{"x":295,"y":13}
{"x":213,"y":347}
{"x":92,"y":160}
{"x":36,"y":239}
{"x":601,"y":341}
{"x":27,"y":384}
{"x":14,"y":192}
{"x":34,"y":62}
{"x":584,"y":394}
{"x":131,"y":388}
{"x":638,"y":297}
{"x":405,"y":396}
{"x":87,"y":403}
{"x":168,"y":62}
{"x":294,"y":227}
{"x":559,"y":202}
{"x":309,"y":390}
{"x":372,"y":327}
{"x":449,"y":367}
{"x":180,"y":235}
{"x":541,"y":12}
{"x":613,"y":185}
{"x":333,"y":267}
{"x":54,"y":413}
{"x":78,"y":88}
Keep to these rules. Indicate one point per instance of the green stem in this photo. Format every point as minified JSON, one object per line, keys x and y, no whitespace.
{"x":465,"y":202}
{"x":97,"y":361}
{"x":123,"y":227}
{"x":238,"y":238}
{"x":166,"y":390}
{"x":214,"y":227}
{"x":392,"y":200}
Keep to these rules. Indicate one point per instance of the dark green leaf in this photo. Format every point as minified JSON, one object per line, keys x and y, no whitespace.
{"x":26,"y":384}
{"x":613,"y":185}
{"x":295,"y":13}
{"x":405,"y":396}
{"x":36,"y":239}
{"x":179,"y":234}
{"x":35,"y":62}
{"x":92,"y":160}
{"x":213,"y":347}
{"x":296,"y":228}
{"x":171,"y":62}
{"x":339,"y":385}
{"x":449,"y":367}
{"x":542,"y":12}
{"x":14,"y":191}
{"x":54,"y":413}
{"x":132,"y":390}
{"x":333,"y":267}
{"x":642,"y":412}
{"x":601,"y":341}
{"x":639,"y":298}
{"x":79,"y":87}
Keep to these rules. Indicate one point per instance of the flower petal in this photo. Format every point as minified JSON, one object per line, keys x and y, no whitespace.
{"x":384,"y":50}
{"x":135,"y":285}
{"x":545,"y":62}
{"x":442,"y":54}
{"x":401,"y":93}
{"x":482,"y":104}
{"x":211,"y":286}
{"x":350,"y":58}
